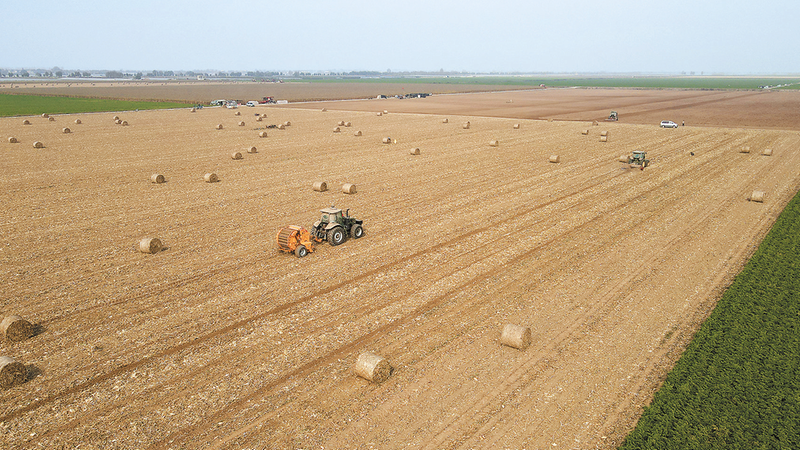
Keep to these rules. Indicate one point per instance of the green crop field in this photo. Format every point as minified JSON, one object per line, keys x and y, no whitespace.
{"x":737,"y":386}
{"x":617,"y":82}
{"x":27,"y":105}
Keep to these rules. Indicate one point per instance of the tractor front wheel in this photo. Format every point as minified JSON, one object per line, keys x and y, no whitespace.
{"x":301,"y":251}
{"x":356,"y":231}
{"x":336,"y":236}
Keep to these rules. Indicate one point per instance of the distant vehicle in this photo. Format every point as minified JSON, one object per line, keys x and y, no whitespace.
{"x":266,"y":100}
{"x":252,"y":103}
{"x":233,"y":105}
{"x":668,"y":124}
{"x":219,"y":102}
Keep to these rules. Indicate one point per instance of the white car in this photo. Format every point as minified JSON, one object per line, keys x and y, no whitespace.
{"x":232,"y":105}
{"x":668,"y":124}
{"x":252,"y":103}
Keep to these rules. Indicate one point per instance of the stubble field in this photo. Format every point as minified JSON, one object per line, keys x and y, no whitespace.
{"x":220,"y":341}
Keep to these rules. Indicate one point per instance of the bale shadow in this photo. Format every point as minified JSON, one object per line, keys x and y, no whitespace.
{"x":33,"y":372}
{"x":38,"y":329}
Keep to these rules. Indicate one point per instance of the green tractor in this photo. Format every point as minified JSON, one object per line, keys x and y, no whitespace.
{"x":638,"y":160}
{"x":336,"y":227}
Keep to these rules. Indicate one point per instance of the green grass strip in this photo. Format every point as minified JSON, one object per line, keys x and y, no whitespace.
{"x":737,"y":386}
{"x":29,"y":105}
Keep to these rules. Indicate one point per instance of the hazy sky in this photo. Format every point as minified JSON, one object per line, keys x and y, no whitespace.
{"x":711,"y":36}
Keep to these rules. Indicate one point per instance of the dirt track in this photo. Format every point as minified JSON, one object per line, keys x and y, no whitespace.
{"x":222,"y":342}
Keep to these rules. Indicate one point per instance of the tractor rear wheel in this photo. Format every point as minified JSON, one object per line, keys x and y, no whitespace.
{"x":301,"y":251}
{"x":356,"y":231}
{"x":336,"y":236}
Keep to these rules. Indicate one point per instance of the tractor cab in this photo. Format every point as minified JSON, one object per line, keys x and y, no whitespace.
{"x":331,"y":215}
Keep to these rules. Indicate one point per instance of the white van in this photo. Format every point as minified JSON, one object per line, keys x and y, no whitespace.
{"x":252,"y":103}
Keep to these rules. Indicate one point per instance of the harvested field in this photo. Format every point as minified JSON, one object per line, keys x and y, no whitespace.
{"x":740,"y":109}
{"x":220,"y":341}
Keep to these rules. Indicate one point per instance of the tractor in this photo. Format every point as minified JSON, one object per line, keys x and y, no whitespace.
{"x":336,"y":227}
{"x":613,"y":117}
{"x":638,"y":160}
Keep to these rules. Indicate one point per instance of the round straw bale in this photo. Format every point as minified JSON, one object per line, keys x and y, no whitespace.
{"x":264,"y":116}
{"x":380,"y":113}
{"x":236,"y":155}
{"x":210,"y":177}
{"x":757,"y":196}
{"x":767,"y":152}
{"x":372,"y":367}
{"x":262,"y":134}
{"x":12,"y":372}
{"x":51,"y":119}
{"x":415,"y":151}
{"x":259,"y":119}
{"x":287,"y":124}
{"x":348,"y":188}
{"x":66,"y":130}
{"x":555,"y":159}
{"x":494,"y":143}
{"x":444,"y":120}
{"x":623,"y":158}
{"x":252,"y":150}
{"x":115,"y":118}
{"x":219,"y":126}
{"x":585,"y":132}
{"x":12,"y":140}
{"x":157,"y":178}
{"x":516,"y":336}
{"x":324,"y":109}
{"x":38,"y":144}
{"x":603,"y":138}
{"x":516,"y":126}
{"x":347,"y":124}
{"x":604,"y":133}
{"x":357,"y":133}
{"x":320,"y":186}
{"x":385,"y":111}
{"x":45,"y":115}
{"x":124,"y":123}
{"x":336,"y":129}
{"x":26,"y":122}
{"x":237,"y":113}
{"x":150,"y":245}
{"x":241,"y":124}
{"x":387,"y":140}
{"x":193,"y":110}
{"x":118,"y":121}
{"x":594,"y":124}
{"x":466,"y":125}
{"x":341,"y":123}
{"x":281,"y":126}
{"x":77,"y":121}
{"x":15,"y":328}
{"x":744,"y":150}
